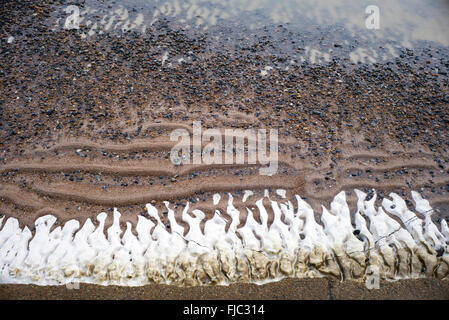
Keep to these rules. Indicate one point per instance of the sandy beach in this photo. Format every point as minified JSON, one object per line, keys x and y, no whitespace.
{"x":86,"y":124}
{"x":291,"y":289}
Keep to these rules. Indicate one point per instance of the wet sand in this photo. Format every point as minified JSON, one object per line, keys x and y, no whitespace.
{"x":85,"y":122}
{"x":291,"y":289}
{"x":85,"y":127}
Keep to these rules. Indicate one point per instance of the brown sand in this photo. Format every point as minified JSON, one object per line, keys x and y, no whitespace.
{"x":291,"y":289}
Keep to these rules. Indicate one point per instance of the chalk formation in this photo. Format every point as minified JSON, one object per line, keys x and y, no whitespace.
{"x":295,"y":245}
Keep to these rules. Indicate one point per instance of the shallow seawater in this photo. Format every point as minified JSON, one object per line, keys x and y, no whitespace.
{"x":323,"y":27}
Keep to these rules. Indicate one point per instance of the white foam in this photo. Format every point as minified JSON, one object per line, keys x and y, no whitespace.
{"x":217,"y":198}
{"x":281,"y":193}
{"x":247,"y":194}
{"x":265,"y":70}
{"x":164,"y":57}
{"x":225,"y":253}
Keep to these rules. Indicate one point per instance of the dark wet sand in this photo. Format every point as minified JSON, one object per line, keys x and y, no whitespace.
{"x":290,"y":289}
